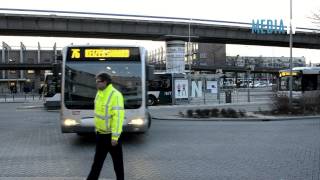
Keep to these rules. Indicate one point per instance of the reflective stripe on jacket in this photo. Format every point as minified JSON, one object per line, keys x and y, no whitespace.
{"x":109,"y":112}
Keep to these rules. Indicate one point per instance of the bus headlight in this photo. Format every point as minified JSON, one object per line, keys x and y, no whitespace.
{"x":70,"y":122}
{"x":137,"y":121}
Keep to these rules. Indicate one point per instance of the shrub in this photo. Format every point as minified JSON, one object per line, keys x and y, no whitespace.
{"x":198,"y":112}
{"x":189,"y":113}
{"x":224,"y":113}
{"x":242,"y":113}
{"x":281,"y":104}
{"x":205,"y":113}
{"x":309,"y":102}
{"x":232,"y":113}
{"x":214,"y":112}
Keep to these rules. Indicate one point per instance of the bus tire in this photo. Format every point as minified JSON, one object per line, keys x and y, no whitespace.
{"x":151,"y":100}
{"x":150,"y":119}
{"x":82,"y":134}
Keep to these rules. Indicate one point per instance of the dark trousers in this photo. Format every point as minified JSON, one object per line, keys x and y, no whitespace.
{"x":104,"y":146}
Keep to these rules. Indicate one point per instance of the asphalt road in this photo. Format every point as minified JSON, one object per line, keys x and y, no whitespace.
{"x":32,"y":147}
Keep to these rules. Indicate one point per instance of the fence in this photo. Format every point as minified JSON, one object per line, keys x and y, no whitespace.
{"x":20,"y":97}
{"x":212,"y":89}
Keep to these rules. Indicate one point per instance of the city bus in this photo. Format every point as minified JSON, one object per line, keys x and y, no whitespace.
{"x":160,"y":89}
{"x":51,"y":84}
{"x":304,"y":80}
{"x":52,"y":88}
{"x":80,"y":65}
{"x":48,"y":88}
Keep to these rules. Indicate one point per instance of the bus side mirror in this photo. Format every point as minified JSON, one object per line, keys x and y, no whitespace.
{"x":150,"y":72}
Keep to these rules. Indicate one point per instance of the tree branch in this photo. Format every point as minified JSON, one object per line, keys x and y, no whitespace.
{"x":315,"y":18}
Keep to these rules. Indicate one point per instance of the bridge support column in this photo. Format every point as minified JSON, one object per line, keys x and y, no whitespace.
{"x":22,"y":53}
{"x":3,"y":61}
{"x":39,"y":55}
{"x":55,"y":53}
{"x":175,"y":56}
{"x":5,"y":57}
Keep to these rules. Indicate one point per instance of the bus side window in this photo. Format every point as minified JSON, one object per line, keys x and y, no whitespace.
{"x":165,"y":85}
{"x":168,"y":83}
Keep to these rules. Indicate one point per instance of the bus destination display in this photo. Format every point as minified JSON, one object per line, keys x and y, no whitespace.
{"x":98,"y":54}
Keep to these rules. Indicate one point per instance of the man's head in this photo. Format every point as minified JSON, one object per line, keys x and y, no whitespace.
{"x":102,"y":80}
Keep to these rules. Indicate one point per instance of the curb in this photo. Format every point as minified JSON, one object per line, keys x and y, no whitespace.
{"x":238,"y":119}
{"x":210,"y":119}
{"x":207,"y":105}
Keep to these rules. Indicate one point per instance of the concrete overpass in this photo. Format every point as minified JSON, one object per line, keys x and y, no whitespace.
{"x":54,"y":25}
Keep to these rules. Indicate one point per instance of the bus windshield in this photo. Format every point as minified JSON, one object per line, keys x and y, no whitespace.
{"x":80,"y":88}
{"x":296,"y":83}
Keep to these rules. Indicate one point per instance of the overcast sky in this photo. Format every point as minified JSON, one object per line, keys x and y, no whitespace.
{"x":227,"y":10}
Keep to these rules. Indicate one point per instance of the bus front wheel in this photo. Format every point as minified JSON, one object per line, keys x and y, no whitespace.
{"x":152,"y":100}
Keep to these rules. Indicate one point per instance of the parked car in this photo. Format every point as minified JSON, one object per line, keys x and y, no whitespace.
{"x":259,"y":85}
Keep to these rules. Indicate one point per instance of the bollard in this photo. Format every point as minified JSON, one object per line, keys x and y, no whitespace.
{"x":204,"y":91}
{"x":189,"y":88}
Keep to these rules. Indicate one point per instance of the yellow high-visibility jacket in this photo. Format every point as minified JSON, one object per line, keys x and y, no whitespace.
{"x":109,"y":112}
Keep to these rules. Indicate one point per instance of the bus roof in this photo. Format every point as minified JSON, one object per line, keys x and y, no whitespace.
{"x":164,"y":72}
{"x":304,"y":70}
{"x":103,"y":45}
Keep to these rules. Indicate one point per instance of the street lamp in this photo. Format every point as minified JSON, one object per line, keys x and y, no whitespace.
{"x":188,"y":47}
{"x":249,"y":68}
{"x":290,"y":43}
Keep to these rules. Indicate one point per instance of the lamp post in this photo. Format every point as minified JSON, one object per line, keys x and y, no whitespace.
{"x":188,"y":46}
{"x":290,"y":43}
{"x":249,"y":68}
{"x":248,"y":84}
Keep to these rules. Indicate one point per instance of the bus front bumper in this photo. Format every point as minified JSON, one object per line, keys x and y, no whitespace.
{"x":87,"y":126}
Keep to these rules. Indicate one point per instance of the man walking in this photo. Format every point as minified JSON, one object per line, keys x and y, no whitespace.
{"x":108,"y":118}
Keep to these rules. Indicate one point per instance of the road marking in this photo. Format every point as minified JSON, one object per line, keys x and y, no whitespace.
{"x":30,"y":107}
{"x":29,"y":110}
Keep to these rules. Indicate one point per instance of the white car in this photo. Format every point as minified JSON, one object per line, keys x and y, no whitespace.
{"x":258,"y":85}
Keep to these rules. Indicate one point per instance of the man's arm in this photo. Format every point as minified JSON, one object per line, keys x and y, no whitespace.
{"x":118,"y":116}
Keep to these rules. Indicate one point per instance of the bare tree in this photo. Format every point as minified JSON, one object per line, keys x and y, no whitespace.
{"x":315,"y":18}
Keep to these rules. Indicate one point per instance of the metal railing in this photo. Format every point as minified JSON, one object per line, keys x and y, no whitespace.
{"x":20,"y":97}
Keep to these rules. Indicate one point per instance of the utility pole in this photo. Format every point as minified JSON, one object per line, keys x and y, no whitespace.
{"x":188,"y":46}
{"x":290,"y":80}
